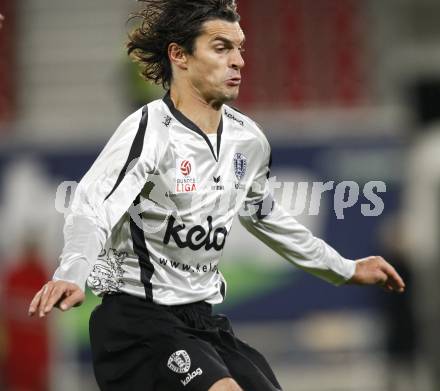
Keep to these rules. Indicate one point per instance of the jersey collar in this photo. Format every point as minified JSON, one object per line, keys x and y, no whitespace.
{"x":184,"y":120}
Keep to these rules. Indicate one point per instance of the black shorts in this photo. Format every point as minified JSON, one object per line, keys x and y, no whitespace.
{"x":139,"y":346}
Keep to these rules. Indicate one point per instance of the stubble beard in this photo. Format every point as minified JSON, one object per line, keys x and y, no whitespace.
{"x":229,"y":96}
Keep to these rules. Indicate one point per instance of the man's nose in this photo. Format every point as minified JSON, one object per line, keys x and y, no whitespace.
{"x":237,"y":61}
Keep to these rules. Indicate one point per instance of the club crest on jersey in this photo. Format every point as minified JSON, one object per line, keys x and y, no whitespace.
{"x":240,"y":165}
{"x":179,"y":362}
{"x":186,"y":181}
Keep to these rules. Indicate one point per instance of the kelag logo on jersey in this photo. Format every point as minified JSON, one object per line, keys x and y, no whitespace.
{"x":196,"y":237}
{"x":186,"y":181}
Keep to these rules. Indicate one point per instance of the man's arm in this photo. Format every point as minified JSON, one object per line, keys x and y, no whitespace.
{"x":294,"y":242}
{"x":101,"y":198}
{"x":284,"y":234}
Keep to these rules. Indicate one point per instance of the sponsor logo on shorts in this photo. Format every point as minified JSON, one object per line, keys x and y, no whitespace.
{"x":191,"y":376}
{"x":179,"y":362}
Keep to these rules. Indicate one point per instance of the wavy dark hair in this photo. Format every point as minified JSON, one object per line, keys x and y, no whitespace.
{"x":166,"y":21}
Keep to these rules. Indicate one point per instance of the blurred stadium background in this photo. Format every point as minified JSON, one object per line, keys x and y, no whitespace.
{"x":347,"y":90}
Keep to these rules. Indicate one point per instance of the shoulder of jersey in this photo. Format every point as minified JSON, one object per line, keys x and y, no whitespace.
{"x":132,"y":119}
{"x":160,"y":117}
{"x":246,"y":122}
{"x":151,"y":119}
{"x":153,"y":115}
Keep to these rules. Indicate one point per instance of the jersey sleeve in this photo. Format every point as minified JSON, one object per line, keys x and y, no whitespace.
{"x":263,"y":217}
{"x":104,"y":194}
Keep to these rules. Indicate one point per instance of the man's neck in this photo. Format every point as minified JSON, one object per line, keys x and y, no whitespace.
{"x":194,"y":107}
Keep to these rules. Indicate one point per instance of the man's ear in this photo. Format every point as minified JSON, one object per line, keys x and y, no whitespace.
{"x":177,"y":55}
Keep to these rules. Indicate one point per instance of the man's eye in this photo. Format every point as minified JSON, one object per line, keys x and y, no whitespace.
{"x":220,"y":49}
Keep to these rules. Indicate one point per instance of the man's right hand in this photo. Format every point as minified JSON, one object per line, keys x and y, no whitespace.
{"x":61,"y":294}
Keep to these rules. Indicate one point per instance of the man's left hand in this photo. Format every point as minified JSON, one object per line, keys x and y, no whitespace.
{"x":376,"y":271}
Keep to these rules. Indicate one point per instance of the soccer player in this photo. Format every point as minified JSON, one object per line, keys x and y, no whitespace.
{"x":150,"y":218}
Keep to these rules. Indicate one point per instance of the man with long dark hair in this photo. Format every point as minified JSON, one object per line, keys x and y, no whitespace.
{"x":150,"y":219}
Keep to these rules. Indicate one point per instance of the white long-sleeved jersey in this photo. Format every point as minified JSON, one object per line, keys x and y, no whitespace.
{"x":152,"y":215}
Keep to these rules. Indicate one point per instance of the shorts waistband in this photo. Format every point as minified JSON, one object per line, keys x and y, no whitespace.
{"x":201,"y":307}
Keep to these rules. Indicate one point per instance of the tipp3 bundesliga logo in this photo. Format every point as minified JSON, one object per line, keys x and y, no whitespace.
{"x":185,"y":176}
{"x":180,"y":362}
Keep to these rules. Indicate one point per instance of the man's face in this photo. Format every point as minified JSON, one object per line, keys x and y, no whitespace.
{"x":214,"y":67}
